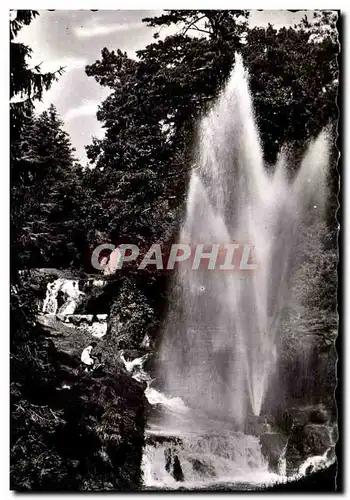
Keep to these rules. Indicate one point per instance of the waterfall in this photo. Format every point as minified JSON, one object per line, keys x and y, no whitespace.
{"x":219,"y":349}
{"x":187,"y":449}
{"x":207,"y":460}
{"x":70,"y":293}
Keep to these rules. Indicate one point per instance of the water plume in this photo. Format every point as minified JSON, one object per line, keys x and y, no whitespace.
{"x":219,"y":348}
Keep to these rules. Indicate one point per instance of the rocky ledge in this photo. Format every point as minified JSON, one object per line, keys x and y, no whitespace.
{"x":85,"y":431}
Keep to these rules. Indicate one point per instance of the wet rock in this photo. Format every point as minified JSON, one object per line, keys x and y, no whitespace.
{"x":317,"y":439}
{"x":177,"y":469}
{"x":202,"y":468}
{"x":172,"y":464}
{"x":322,"y":481}
{"x":79,"y":319}
{"x":131,"y":316}
{"x":293,"y":417}
{"x":146,"y":342}
{"x":167,"y":456}
{"x":272,"y":447}
{"x":304,"y":442}
{"x":154,"y":439}
{"x":155,"y":411}
{"x":319,"y":416}
{"x":131,"y":354}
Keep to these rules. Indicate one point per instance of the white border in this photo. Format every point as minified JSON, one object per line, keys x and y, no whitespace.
{"x":179,"y":4}
{"x":4,"y":198}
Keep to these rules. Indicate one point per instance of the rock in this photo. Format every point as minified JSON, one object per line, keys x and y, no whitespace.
{"x":74,"y":319}
{"x":87,"y":438}
{"x":146,"y":343}
{"x":317,"y":439}
{"x":304,"y":442}
{"x":177,"y":470}
{"x":167,"y":456}
{"x":53,"y":273}
{"x":319,"y":416}
{"x":131,"y":316}
{"x":95,"y":301}
{"x":156,"y":439}
{"x":322,"y":481}
{"x":202,"y":468}
{"x":293,"y":417}
{"x":173,"y":465}
{"x":131,"y":354}
{"x":272,"y":447}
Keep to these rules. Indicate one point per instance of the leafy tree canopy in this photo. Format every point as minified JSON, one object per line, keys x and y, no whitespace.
{"x":150,"y":116}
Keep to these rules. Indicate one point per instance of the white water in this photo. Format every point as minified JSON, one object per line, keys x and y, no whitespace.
{"x":146,"y":343}
{"x":72,"y":294}
{"x":211,"y":454}
{"x":314,"y":464}
{"x":111,"y":262}
{"x":216,"y":459}
{"x":71,"y":297}
{"x":207,"y":459}
{"x":97,"y":329}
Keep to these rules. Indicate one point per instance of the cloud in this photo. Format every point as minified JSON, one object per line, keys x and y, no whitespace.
{"x":88,"y":108}
{"x":100,"y":29}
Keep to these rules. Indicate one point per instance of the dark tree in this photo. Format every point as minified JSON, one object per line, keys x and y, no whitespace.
{"x":27,"y":84}
{"x":53,"y":192}
{"x":150,"y":116}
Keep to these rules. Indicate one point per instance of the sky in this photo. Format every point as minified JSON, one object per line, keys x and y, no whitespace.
{"x":75,"y":38}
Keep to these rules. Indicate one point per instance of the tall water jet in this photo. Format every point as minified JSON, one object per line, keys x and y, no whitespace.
{"x":219,"y":350}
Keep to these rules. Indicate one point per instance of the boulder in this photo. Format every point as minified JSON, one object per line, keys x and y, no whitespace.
{"x":173,"y":465}
{"x":158,"y":439}
{"x":177,"y":470}
{"x":294,"y":417}
{"x":167,"y":456}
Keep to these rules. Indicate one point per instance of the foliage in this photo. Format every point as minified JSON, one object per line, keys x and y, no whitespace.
{"x":311,"y":312}
{"x":150,"y":117}
{"x":215,"y":24}
{"x":89,"y":438}
{"x":86,"y":438}
{"x":26,"y":85}
{"x":48,"y":223}
{"x":294,"y":81}
{"x":131,"y":316}
{"x":309,"y":325}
